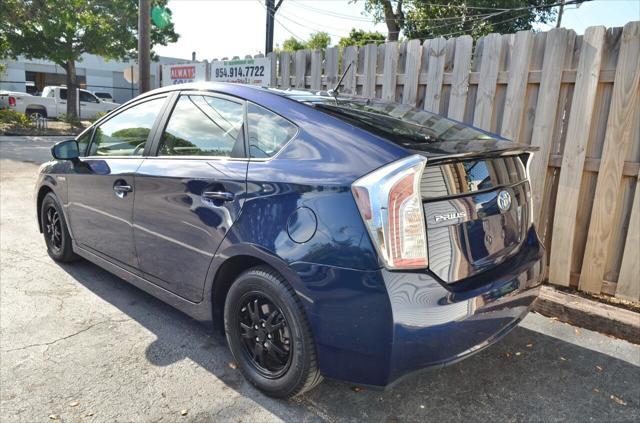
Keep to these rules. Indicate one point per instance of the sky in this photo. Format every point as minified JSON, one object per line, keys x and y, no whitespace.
{"x":225,"y":28}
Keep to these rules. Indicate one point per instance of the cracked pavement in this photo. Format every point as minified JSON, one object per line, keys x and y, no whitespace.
{"x":79,"y":344}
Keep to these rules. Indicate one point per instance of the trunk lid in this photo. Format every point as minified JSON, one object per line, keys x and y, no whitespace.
{"x":474,"y":187}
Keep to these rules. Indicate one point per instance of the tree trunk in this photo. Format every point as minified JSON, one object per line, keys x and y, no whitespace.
{"x":393,"y":20}
{"x":72,"y":85}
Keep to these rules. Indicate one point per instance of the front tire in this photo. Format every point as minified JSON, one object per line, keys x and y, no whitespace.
{"x":54,"y":228}
{"x":269,"y":335}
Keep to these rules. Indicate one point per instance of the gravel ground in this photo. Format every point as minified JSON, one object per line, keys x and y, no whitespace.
{"x":78,"y":344}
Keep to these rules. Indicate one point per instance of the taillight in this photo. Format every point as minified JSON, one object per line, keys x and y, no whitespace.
{"x":12,"y":101}
{"x":390,"y":204}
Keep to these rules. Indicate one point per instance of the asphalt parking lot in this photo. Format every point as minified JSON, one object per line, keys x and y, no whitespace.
{"x":78,"y":344}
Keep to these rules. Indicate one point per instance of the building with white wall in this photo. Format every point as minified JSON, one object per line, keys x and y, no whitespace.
{"x":94,"y":73}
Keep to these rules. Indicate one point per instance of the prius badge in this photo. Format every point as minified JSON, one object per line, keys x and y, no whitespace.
{"x":449,"y":216}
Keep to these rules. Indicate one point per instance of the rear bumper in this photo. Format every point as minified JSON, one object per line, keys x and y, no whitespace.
{"x":433,"y":326}
{"x":419,"y":323}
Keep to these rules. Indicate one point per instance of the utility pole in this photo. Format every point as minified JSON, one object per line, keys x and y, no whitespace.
{"x":271,"y":13}
{"x":560,"y":12}
{"x":144,"y":47}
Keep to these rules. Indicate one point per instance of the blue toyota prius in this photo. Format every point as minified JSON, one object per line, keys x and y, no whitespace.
{"x":330,"y":236}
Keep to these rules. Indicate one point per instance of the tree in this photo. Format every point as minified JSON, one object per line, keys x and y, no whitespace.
{"x":426,"y":19}
{"x":359,"y":37}
{"x":63,"y":30}
{"x":293,"y":44}
{"x":318,"y":40}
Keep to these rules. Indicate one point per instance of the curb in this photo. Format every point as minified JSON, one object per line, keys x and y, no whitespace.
{"x":589,"y":314}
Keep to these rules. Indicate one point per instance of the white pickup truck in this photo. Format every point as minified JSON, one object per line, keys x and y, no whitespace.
{"x":53,"y":103}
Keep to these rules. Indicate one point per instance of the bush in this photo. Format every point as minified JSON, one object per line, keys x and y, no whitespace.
{"x":13,"y":118}
{"x":70,"y":119}
{"x":99,"y":115}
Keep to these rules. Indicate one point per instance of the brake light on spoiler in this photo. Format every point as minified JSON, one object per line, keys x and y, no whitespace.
{"x":390,"y":204}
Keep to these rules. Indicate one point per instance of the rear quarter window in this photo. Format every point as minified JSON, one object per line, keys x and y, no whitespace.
{"x":268,"y":132}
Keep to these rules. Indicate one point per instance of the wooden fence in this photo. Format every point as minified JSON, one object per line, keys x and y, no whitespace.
{"x":576,"y":97}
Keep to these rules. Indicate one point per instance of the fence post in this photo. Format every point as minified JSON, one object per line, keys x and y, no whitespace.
{"x":618,"y":140}
{"x":460,"y":79}
{"x":389,"y":74}
{"x":575,"y":149}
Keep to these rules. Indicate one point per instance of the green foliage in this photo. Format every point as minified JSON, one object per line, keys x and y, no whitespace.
{"x":14,"y":119}
{"x":72,"y":120}
{"x":318,"y":40}
{"x":62,"y":30}
{"x":99,"y":115}
{"x":293,"y":44}
{"x":358,"y":37}
{"x":426,"y":19}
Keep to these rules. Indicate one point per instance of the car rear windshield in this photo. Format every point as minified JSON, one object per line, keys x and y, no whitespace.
{"x":400,"y":123}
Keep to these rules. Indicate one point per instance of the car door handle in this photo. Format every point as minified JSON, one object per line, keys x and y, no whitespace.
{"x":63,"y":102}
{"x":218,"y":195}
{"x":122,"y":190}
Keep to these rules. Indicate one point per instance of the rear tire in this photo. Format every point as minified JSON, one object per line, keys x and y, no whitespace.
{"x":269,"y":335}
{"x":54,"y":228}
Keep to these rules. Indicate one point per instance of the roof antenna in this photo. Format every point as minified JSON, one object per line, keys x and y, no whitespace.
{"x":336,"y":90}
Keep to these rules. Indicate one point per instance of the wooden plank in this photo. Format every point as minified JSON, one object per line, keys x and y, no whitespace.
{"x":285,"y":68}
{"x":546,"y":106}
{"x":300,"y":65}
{"x":517,"y":85}
{"x":489,"y":68}
{"x":616,"y":146}
{"x":331,"y":67}
{"x":564,"y":223}
{"x":460,"y":77}
{"x":628,"y":286}
{"x":435,"y":74}
{"x":412,"y":72}
{"x":593,"y":165}
{"x":370,"y":61}
{"x":350,"y":57}
{"x":273,"y":68}
{"x":316,"y":69}
{"x":389,"y":73}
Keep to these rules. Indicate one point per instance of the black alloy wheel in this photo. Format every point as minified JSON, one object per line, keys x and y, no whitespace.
{"x":265,"y":334}
{"x":54,"y":229}
{"x":269,"y":334}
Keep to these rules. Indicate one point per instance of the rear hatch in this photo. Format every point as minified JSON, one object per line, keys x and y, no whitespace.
{"x":474,"y":187}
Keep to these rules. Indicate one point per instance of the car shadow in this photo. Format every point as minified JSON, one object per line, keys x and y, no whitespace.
{"x":528,"y":376}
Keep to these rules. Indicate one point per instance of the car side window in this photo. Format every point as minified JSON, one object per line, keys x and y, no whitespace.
{"x":203,"y":125}
{"x":268,"y":132}
{"x":126,"y":133}
{"x":63,"y":93}
{"x":88,"y":97}
{"x":83,"y":141}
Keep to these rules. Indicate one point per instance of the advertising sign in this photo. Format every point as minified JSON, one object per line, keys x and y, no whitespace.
{"x":183,"y":73}
{"x":244,"y":71}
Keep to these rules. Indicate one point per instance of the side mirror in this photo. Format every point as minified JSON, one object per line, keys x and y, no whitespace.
{"x":66,"y":150}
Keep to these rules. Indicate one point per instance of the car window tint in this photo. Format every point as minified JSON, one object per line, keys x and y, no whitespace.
{"x":204,"y":126}
{"x":126,"y":133}
{"x":268,"y":132}
{"x":88,"y":97}
{"x":63,"y":93}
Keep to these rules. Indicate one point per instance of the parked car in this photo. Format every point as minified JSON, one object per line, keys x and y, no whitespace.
{"x":53,"y":103}
{"x":330,"y":236}
{"x":104,"y":96}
